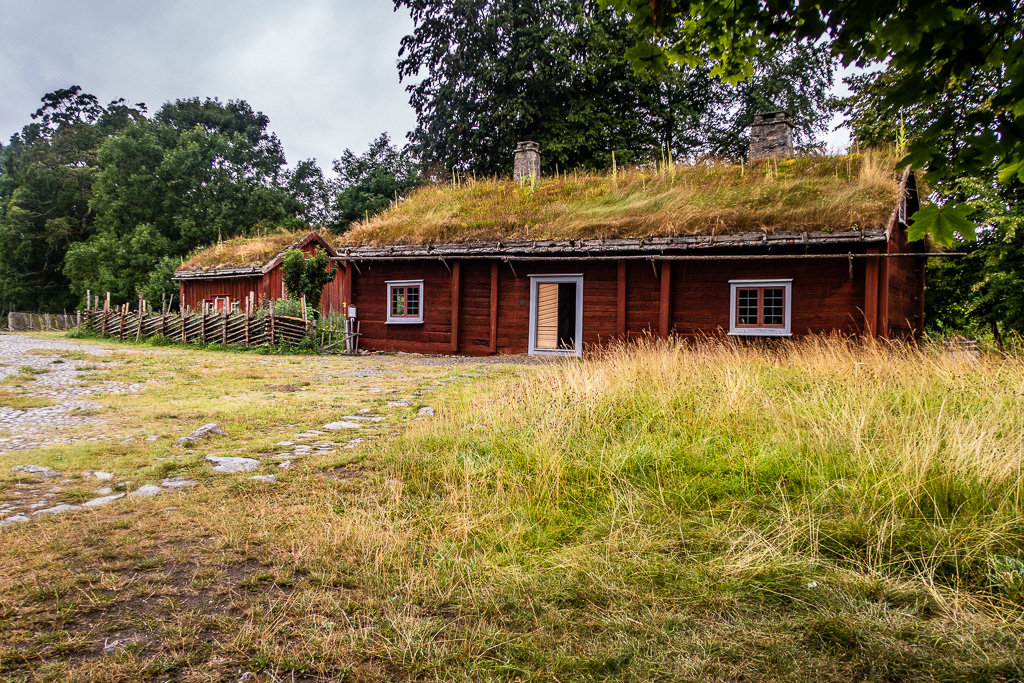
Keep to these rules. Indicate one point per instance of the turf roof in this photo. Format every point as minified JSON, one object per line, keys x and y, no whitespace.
{"x":243,"y":252}
{"x":807,"y":193}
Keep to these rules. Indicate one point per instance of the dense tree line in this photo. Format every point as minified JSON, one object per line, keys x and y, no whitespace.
{"x":108,"y":198}
{"x":485,"y":74}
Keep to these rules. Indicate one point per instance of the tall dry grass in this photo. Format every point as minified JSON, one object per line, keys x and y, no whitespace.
{"x":816,"y":456}
{"x":805,"y":193}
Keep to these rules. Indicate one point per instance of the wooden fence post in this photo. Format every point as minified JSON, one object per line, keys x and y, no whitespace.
{"x":224,"y":325}
{"x":271,"y":316}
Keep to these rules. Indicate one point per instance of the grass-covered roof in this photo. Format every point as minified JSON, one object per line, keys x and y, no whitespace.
{"x":807,"y":193}
{"x":244,"y":252}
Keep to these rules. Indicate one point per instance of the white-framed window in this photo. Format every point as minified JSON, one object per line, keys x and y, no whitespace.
{"x":760,"y":307}
{"x":405,"y":302}
{"x":556,"y":315}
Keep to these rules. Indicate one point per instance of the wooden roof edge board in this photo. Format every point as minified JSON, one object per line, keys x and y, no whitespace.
{"x":606,"y":246}
{"x":216,"y":273}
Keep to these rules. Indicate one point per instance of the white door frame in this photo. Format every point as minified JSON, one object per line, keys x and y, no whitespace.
{"x":574,"y":278}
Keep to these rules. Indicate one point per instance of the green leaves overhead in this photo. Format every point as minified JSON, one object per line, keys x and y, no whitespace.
{"x":944,"y":223}
{"x":936,"y":48}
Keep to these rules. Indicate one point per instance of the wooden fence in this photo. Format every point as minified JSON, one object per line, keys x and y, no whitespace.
{"x":221,"y":327}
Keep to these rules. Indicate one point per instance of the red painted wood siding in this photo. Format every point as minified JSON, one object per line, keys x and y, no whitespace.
{"x":825,"y":299}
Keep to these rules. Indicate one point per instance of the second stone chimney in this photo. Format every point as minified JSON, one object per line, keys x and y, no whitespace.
{"x":526,"y":164}
{"x":771,"y":135}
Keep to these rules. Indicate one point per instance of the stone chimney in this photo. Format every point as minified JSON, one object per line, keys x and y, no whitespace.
{"x":771,"y":135}
{"x":527,"y":161}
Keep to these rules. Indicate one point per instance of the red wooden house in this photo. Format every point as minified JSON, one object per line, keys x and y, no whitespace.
{"x":248,"y":269}
{"x":776,"y":248}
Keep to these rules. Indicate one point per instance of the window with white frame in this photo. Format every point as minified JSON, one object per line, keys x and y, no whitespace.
{"x":405,"y":302}
{"x":760,"y":307}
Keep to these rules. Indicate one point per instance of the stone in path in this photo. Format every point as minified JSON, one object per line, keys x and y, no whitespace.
{"x":147,"y":490}
{"x":365,"y":418}
{"x":204,"y":432}
{"x":269,"y":478}
{"x":396,"y":404}
{"x":57,"y":509}
{"x":284,"y":443}
{"x":102,"y":476}
{"x":96,"y":502}
{"x":47,"y":472}
{"x":233,"y":464}
{"x":335,"y":426}
{"x":285,"y":465}
{"x":14,"y":520}
{"x":177,"y":483}
{"x":426,"y":410}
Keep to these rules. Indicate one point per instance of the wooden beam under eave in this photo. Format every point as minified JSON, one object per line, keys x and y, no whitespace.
{"x":665,"y":309}
{"x":346,"y":286}
{"x":883,"y":297}
{"x":871,"y":295}
{"x":456,"y":299}
{"x":494,"y":307}
{"x":620,"y":308}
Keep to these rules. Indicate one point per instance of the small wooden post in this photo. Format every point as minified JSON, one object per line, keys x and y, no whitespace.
{"x":106,"y":306}
{"x":88,"y":300}
{"x":138,"y":327}
{"x":248,"y":312}
{"x":871,"y":295}
{"x":184,"y":332}
{"x":494,"y":307}
{"x":620,"y":302}
{"x":303,"y":300}
{"x":665,"y":312}
{"x":224,"y":325}
{"x":456,"y":298}
{"x":271,"y":316}
{"x":202,"y":325}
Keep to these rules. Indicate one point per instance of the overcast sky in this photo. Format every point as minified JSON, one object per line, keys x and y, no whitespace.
{"x":322,"y":70}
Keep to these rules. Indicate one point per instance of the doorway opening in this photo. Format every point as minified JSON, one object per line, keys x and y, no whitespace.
{"x":556,"y":314}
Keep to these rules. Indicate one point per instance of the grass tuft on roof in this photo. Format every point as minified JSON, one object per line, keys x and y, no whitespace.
{"x":813,"y":193}
{"x":240,"y":252}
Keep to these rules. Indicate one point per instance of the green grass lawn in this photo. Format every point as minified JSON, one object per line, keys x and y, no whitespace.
{"x":805,"y":512}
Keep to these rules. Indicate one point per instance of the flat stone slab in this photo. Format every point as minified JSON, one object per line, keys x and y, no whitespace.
{"x":399,"y":404}
{"x":426,"y":410}
{"x":14,"y":519}
{"x":306,"y":435}
{"x":57,"y":509}
{"x":204,"y":432}
{"x":364,"y":418}
{"x":269,"y":478}
{"x":284,"y":443}
{"x":335,"y":426}
{"x":102,"y":476}
{"x":233,"y":464}
{"x":147,"y":490}
{"x":47,"y":472}
{"x":96,"y":502}
{"x":177,"y":483}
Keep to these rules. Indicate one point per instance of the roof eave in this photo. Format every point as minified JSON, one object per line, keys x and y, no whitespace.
{"x":590,"y":247}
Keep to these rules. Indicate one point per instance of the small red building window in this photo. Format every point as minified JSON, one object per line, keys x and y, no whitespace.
{"x":760,"y":307}
{"x":405,"y":301}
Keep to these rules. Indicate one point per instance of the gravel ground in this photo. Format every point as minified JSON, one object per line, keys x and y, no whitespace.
{"x":34,"y":427}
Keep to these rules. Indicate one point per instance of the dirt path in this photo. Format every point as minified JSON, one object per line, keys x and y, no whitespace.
{"x":52,"y":370}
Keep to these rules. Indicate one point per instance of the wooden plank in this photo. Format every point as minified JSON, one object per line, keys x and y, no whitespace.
{"x":456,"y":291}
{"x":547,"y":315}
{"x":883,"y":295}
{"x":494,"y":307}
{"x":871,"y":296}
{"x":665,"y":309}
{"x":620,"y":299}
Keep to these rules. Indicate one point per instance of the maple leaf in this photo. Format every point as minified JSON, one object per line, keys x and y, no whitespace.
{"x":943,"y":222}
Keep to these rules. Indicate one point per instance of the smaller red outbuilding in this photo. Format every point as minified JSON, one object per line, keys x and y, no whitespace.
{"x":239,"y":271}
